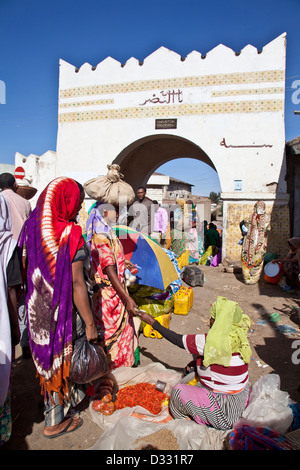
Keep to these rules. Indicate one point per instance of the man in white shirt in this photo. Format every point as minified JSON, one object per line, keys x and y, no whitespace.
{"x":160,"y":224}
{"x":20,"y":210}
{"x":19,"y":207}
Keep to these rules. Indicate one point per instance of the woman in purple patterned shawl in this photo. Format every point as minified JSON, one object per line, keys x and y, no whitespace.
{"x":51,"y":241}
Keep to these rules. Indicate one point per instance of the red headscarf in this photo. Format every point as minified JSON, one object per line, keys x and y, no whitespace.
{"x":58,"y":204}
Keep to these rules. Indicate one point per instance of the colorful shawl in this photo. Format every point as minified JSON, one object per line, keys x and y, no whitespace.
{"x":184,"y":210}
{"x":257,"y":438}
{"x":110,"y":312}
{"x":7,"y":246}
{"x":193,"y":215}
{"x":255,"y":241}
{"x":228,"y":335}
{"x":49,"y":241}
{"x":96,"y":224}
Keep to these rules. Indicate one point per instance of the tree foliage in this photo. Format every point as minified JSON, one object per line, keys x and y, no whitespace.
{"x":214,"y":197}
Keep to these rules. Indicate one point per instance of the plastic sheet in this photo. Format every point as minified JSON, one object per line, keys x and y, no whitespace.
{"x":268,"y":406}
{"x":123,"y":427}
{"x":125,"y":376}
{"x":189,"y":435}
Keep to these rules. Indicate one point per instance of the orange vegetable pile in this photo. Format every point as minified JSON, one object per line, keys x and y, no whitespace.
{"x":102,"y":401}
{"x":142,"y":394}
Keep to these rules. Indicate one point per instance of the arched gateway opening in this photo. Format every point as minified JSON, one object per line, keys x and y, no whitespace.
{"x":225,"y":109}
{"x":139,"y":160}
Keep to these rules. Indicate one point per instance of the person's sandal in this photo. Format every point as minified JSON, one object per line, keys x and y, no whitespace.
{"x":66,"y":429}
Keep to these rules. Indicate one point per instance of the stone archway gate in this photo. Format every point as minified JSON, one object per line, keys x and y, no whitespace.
{"x":225,"y":108}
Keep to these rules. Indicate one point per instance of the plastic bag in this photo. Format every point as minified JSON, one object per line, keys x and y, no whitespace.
{"x":153,"y":301}
{"x":88,"y":362}
{"x":268,"y":405}
{"x":193,"y":276}
{"x":189,"y":435}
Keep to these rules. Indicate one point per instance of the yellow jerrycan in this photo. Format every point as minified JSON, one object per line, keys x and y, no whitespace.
{"x":181,"y":303}
{"x":164,"y":320}
{"x":190,"y":293}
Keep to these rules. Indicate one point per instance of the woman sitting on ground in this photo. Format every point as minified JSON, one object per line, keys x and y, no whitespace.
{"x":222,"y":392}
{"x":291,"y":263}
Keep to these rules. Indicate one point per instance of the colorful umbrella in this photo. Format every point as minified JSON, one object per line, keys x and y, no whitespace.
{"x":155,"y":267}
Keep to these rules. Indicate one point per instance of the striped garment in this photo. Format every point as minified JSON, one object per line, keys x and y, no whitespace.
{"x":220,"y":379}
{"x":219,"y":410}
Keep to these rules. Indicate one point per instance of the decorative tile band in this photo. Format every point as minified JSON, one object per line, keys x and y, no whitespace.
{"x":180,"y":82}
{"x":178,"y":110}
{"x":86,"y":103}
{"x":250,"y":91}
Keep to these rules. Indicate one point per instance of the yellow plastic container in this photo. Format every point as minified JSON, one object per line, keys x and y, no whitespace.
{"x":181,"y":303}
{"x":190,"y":293}
{"x":194,"y":381}
{"x":183,"y":259}
{"x":164,"y":320}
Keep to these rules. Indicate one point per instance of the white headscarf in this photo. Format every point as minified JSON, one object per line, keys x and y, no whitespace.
{"x":7,"y":246}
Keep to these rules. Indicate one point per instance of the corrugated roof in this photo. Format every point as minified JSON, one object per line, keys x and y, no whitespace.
{"x":173,"y":179}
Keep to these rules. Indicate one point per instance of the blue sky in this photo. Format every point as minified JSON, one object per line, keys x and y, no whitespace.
{"x":35,"y":34}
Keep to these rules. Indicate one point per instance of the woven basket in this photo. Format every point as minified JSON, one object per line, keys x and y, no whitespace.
{"x":27,"y":192}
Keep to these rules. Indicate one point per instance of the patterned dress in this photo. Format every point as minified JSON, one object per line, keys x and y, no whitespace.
{"x":179,"y":240}
{"x":255,"y":244}
{"x":111,"y":314}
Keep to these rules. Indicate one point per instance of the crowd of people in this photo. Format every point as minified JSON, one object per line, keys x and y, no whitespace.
{"x":74,"y":286}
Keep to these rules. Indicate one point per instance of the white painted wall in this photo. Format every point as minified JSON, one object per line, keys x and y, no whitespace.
{"x":162,"y":180}
{"x":39,"y":170}
{"x":246,"y":146}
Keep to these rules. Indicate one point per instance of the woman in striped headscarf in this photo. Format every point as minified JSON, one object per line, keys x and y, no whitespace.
{"x":52,"y":245}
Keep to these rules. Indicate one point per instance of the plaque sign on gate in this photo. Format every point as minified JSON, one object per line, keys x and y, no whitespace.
{"x":165,"y":123}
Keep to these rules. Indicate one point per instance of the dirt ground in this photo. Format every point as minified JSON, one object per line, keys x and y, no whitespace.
{"x":272,"y":348}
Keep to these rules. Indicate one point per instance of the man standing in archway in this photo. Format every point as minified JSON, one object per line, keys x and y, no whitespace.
{"x":160,"y":223}
{"x":141,"y":211}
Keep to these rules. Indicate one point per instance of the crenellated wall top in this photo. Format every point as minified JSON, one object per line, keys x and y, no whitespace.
{"x":165,"y":63}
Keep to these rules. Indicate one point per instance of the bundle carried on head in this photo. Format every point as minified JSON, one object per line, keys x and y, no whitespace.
{"x":25,"y":189}
{"x":110,"y":188}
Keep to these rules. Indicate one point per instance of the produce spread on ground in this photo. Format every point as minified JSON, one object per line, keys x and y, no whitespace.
{"x":140,"y":394}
